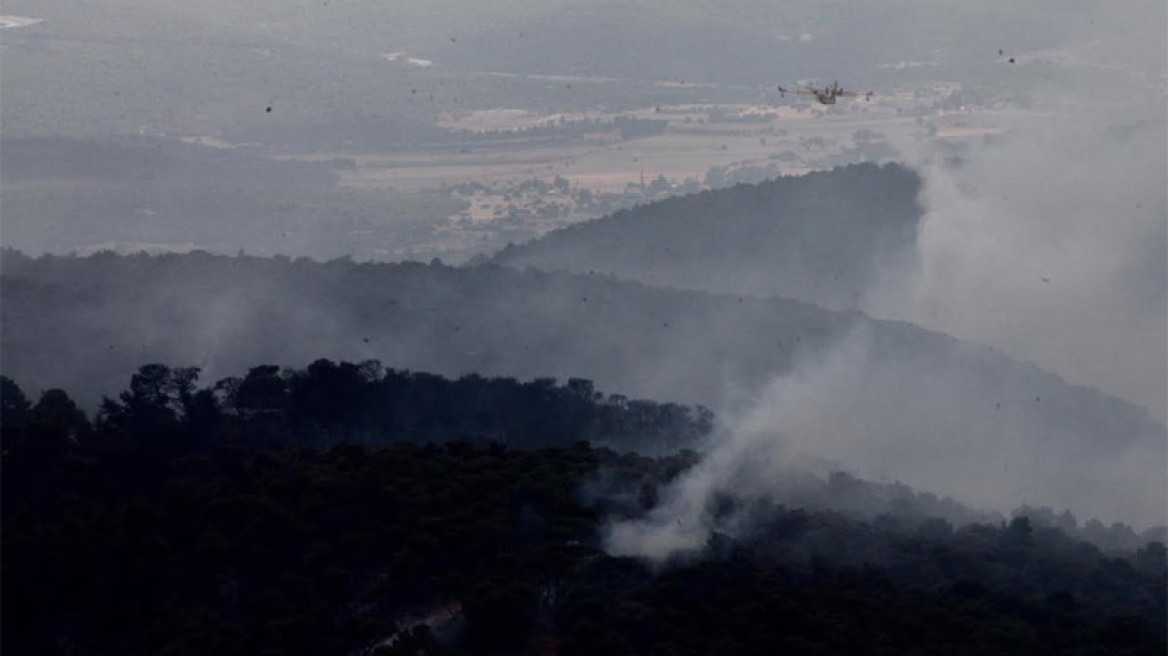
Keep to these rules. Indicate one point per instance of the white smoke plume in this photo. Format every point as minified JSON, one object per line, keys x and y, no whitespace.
{"x":1048,"y":242}
{"x":900,"y":418}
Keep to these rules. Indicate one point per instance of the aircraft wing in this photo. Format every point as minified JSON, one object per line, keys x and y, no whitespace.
{"x":867,"y":95}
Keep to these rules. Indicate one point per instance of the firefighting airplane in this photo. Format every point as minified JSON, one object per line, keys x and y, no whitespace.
{"x":826,"y":95}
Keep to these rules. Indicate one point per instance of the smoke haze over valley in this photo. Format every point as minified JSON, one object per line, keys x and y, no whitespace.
{"x":883,"y":399}
{"x":881,"y":328}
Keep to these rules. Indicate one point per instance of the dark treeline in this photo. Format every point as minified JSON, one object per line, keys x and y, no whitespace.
{"x":869,"y":501}
{"x":142,"y":533}
{"x":329,"y":403}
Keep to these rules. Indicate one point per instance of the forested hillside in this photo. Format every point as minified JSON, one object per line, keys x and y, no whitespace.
{"x":147,"y":532}
{"x":886,"y":398}
{"x":81,"y":323}
{"x":824,"y":237}
{"x":329,"y":403}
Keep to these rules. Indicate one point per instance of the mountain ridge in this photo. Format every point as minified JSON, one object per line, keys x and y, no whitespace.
{"x":825,"y":237}
{"x":880,"y":397}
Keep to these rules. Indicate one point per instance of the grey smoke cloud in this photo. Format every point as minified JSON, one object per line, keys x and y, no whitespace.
{"x":1050,"y":241}
{"x":1053,"y":250}
{"x":898,"y":417}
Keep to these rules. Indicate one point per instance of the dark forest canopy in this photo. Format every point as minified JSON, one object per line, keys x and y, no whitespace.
{"x":822,"y":237}
{"x":329,"y":403}
{"x":164,"y":413}
{"x":143,"y":533}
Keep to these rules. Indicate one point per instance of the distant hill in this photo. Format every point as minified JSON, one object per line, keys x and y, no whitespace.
{"x":82,"y":322}
{"x":823,"y":237}
{"x":887,"y":399}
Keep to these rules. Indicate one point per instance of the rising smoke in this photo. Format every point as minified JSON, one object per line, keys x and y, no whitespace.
{"x":898,"y":417}
{"x":1050,"y":241}
{"x":1047,"y":241}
